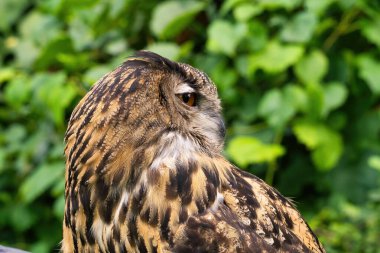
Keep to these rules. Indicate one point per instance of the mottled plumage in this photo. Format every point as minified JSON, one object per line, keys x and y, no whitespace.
{"x":144,"y":171}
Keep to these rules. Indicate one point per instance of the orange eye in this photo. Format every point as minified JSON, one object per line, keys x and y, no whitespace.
{"x":188,"y":98}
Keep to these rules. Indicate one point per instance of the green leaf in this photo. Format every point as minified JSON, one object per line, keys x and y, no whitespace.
{"x":277,"y":4}
{"x":39,"y":28}
{"x":316,"y":101}
{"x":26,"y":53}
{"x":7,"y":74}
{"x":300,"y":29}
{"x":117,"y":7}
{"x":10,"y":10}
{"x":228,"y":5}
{"x":51,"y":6}
{"x":95,"y":73}
{"x":74,"y":61}
{"x":81,"y":33}
{"x":276,"y":108}
{"x":59,"y":206}
{"x":255,"y":40}
{"x":312,"y":67}
{"x":171,"y":17}
{"x":369,"y":70}
{"x":36,"y":30}
{"x":17,"y":91}
{"x":318,"y":7}
{"x":371,"y":31}
{"x":59,"y":187}
{"x":224,"y":37}
{"x":166,"y":49}
{"x":3,"y":155}
{"x":326,"y":156}
{"x":225,"y":78}
{"x":40,"y":246}
{"x":51,"y":53}
{"x":52,"y":91}
{"x":74,"y":4}
{"x":275,"y":57}
{"x":22,"y":218}
{"x":15,"y":133}
{"x":374,"y":162}
{"x":41,"y":179}
{"x":297,"y":96}
{"x":335,"y":94}
{"x":309,"y":134}
{"x":246,"y":150}
{"x":244,"y":12}
{"x":117,"y":46}
{"x":326,"y":144}
{"x":348,"y":4}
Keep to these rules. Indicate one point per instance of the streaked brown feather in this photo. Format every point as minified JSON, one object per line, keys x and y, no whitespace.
{"x":145,"y":174}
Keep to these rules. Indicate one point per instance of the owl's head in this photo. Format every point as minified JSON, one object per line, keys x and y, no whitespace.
{"x":146,"y":100}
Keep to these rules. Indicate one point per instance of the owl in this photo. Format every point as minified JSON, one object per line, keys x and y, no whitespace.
{"x":145,"y":172}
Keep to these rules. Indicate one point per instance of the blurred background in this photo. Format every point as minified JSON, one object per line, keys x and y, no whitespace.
{"x":299,"y":82}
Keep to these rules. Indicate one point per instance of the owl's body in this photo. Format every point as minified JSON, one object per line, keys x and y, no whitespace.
{"x":144,"y":171}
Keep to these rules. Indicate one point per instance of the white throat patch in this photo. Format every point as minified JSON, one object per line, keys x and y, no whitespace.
{"x":173,"y":147}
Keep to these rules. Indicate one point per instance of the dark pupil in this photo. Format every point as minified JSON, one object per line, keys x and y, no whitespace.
{"x":186,"y":97}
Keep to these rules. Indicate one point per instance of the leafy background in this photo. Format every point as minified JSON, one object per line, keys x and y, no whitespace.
{"x":299,"y":81}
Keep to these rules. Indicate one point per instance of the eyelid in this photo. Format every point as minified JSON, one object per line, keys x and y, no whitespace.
{"x":184,"y":88}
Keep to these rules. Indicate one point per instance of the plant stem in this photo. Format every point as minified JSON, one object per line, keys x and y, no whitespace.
{"x":272,"y":166}
{"x":342,"y":28}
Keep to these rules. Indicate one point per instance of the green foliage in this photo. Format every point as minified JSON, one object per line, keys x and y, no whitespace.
{"x":246,"y":150}
{"x":369,"y":70}
{"x":325,"y":143}
{"x":182,"y":13}
{"x":298,"y":79}
{"x":312,"y":68}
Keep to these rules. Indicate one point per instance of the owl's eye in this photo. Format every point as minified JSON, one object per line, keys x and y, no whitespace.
{"x":189,"y":98}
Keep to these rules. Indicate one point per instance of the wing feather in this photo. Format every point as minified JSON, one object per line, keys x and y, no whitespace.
{"x":253,"y":217}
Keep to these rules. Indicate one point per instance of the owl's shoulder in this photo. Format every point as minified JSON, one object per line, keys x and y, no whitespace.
{"x":252,"y":217}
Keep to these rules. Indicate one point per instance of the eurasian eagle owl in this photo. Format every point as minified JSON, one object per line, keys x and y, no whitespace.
{"x":144,"y":171}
